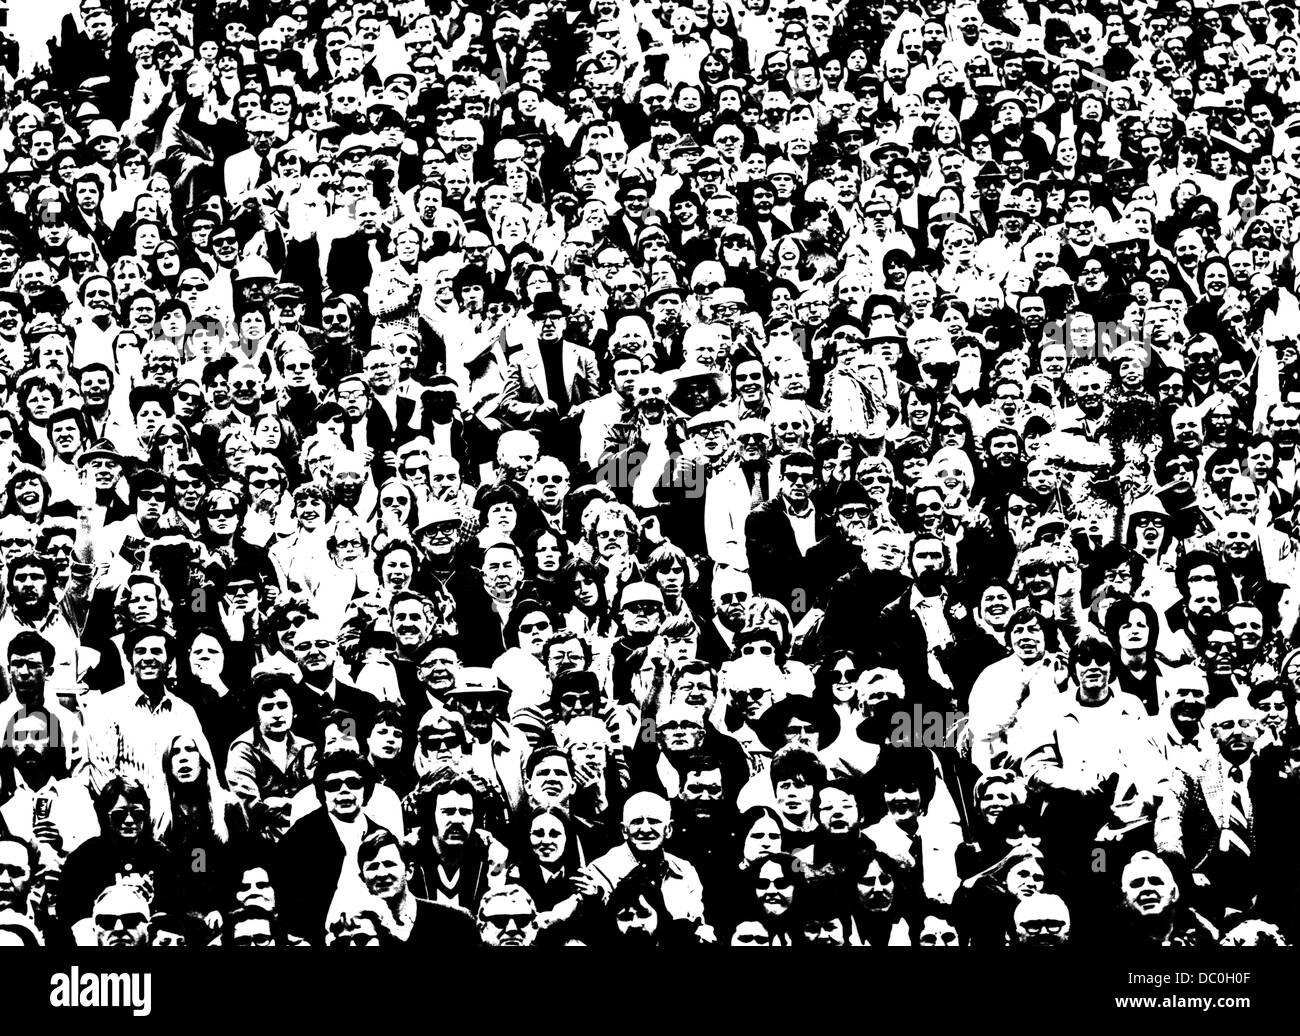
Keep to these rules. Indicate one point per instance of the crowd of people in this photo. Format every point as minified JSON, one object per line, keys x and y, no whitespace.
{"x":587,"y":472}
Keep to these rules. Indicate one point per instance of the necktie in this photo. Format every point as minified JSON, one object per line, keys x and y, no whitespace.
{"x":1235,"y":839}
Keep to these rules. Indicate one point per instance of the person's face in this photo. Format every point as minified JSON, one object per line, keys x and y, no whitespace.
{"x":186,"y":763}
{"x":255,"y":889}
{"x":1236,"y":737}
{"x":386,"y":874}
{"x":508,"y":921}
{"x":314,"y":650}
{"x":275,"y":714}
{"x":837,"y":812}
{"x":1025,"y":879}
{"x":343,"y":793}
{"x":548,"y":839}
{"x":122,"y":920}
{"x":1149,"y":889}
{"x":454,"y":818}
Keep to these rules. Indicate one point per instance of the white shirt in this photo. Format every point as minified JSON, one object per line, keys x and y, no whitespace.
{"x":804,"y":526}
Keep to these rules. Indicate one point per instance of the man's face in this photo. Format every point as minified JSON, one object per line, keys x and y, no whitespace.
{"x":31,"y":585}
{"x":411,"y":625}
{"x":508,"y":921}
{"x":255,"y":889}
{"x":454,"y":818}
{"x":502,"y":573}
{"x":122,"y":919}
{"x":314,"y":649}
{"x":1236,"y":736}
{"x":646,"y":828}
{"x":797,"y":483}
{"x":15,"y":877}
{"x":386,"y":873}
{"x":552,"y":781}
{"x":1149,"y":888}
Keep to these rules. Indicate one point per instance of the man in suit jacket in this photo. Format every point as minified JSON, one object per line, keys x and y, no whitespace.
{"x":390,"y":418}
{"x":548,"y":383}
{"x":918,"y":624}
{"x":245,"y":171}
{"x":779,"y":532}
{"x":318,"y":853}
{"x":1206,"y":824}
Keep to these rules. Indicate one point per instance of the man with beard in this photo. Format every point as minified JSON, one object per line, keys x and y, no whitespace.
{"x":30,"y":665}
{"x":647,"y":826}
{"x":917,"y":625}
{"x":1152,"y":913}
{"x":497,"y":751}
{"x":127,"y":729}
{"x":1005,"y":470}
{"x":451,"y":857}
{"x":31,"y":604}
{"x":316,"y":651}
{"x":386,"y":871}
{"x":704,"y":819}
{"x":336,"y":346}
{"x":1041,"y":919}
{"x":1206,"y":822}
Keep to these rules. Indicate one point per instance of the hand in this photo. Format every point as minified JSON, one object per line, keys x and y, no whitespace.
{"x":586,"y":886}
{"x":45,"y":831}
{"x":1201,"y":881}
{"x":213,"y":920}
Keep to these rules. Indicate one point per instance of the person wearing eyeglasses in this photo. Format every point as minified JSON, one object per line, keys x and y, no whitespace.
{"x":320,"y":850}
{"x":780,"y":532}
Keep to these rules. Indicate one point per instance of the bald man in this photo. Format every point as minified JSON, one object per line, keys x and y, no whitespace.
{"x":647,"y":826}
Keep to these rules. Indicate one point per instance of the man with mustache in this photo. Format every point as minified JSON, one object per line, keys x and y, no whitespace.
{"x":386,"y":871}
{"x":31,"y":603}
{"x":452,"y":857}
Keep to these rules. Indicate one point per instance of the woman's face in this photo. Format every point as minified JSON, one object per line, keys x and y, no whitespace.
{"x":1025,"y":879}
{"x":548,"y":555}
{"x":876,"y":889}
{"x":763,"y":839}
{"x":127,"y":819}
{"x":586,"y":592}
{"x":397,"y":570}
{"x":774,"y":889}
{"x":1216,"y":280}
{"x":842,"y":680}
{"x":1134,"y":631}
{"x":548,"y":840}
{"x":187,"y":764}
{"x":266,"y":435}
{"x":502,"y":516}
{"x":919,"y":413}
{"x":407,"y":247}
{"x":142,"y":603}
{"x":672,"y":580}
{"x":309,"y":512}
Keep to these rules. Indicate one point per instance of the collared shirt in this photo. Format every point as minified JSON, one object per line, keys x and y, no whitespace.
{"x":804,"y":526}
{"x":930,"y":610}
{"x":680,"y":884}
{"x":126,"y":735}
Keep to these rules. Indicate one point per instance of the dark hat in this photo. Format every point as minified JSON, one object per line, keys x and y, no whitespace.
{"x":852,"y":492}
{"x":547,"y":302}
{"x":99,"y":448}
{"x":771,"y":726}
{"x":575,"y":681}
